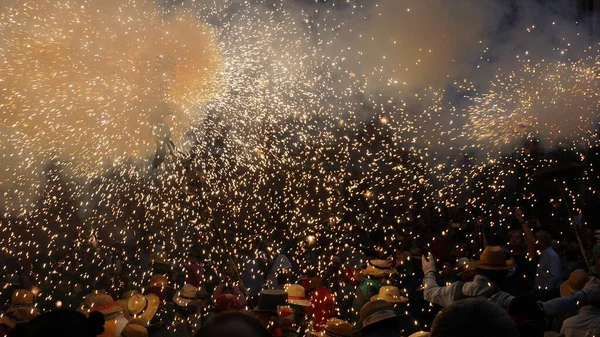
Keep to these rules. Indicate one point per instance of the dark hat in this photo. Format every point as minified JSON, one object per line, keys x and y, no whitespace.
{"x":270,"y":299}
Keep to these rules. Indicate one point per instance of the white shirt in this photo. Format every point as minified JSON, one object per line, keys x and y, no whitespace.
{"x":549,"y":271}
{"x":586,"y":324}
{"x":444,"y":296}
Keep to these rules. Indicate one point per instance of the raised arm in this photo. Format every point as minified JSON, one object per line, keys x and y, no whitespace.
{"x":432,"y":292}
{"x":528,"y":234}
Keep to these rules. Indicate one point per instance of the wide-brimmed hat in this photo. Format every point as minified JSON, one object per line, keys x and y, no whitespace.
{"x":22,"y":298}
{"x":8,"y":321}
{"x":336,"y":328}
{"x":134,"y":330}
{"x":186,"y":295}
{"x":122,"y":302}
{"x":494,"y":258}
{"x":575,"y":283}
{"x":379,"y":268}
{"x":390,"y":294}
{"x":143,"y":308}
{"x":420,"y":334}
{"x":158,"y":281}
{"x":270,"y":299}
{"x":101,"y":303}
{"x":376,"y":311}
{"x":22,"y":306}
{"x":160,"y":258}
{"x":296,"y":295}
{"x":23,"y":314}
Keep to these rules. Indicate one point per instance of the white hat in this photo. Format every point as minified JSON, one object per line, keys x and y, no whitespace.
{"x":297,"y":295}
{"x":186,"y":295}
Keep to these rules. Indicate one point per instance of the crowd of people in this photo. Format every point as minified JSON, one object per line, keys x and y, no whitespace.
{"x":477,"y":280}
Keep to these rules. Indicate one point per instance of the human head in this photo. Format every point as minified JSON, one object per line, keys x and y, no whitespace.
{"x":314,"y":279}
{"x":473,"y":317}
{"x":233,"y":324}
{"x":516,"y":243}
{"x":66,"y":323}
{"x":544,"y":240}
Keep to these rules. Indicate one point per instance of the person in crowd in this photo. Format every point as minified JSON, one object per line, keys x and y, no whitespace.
{"x":548,"y":275}
{"x":392,"y":295}
{"x":268,"y":302}
{"x":298,"y":302}
{"x":195,"y":271}
{"x":21,"y":310}
{"x":114,"y":320}
{"x":281,"y":266}
{"x":584,"y":324}
{"x":226,"y":302}
{"x":375,"y":274}
{"x":524,"y":270}
{"x":322,"y":303}
{"x":575,"y":283}
{"x":378,"y":319}
{"x":491,"y":275}
{"x":229,"y":285}
{"x":473,"y":317}
{"x":286,"y":324}
{"x":189,"y":302}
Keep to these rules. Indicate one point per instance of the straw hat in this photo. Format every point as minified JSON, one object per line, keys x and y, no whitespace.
{"x":186,"y":295}
{"x":22,"y":306}
{"x":494,"y":258}
{"x":22,"y":298}
{"x":160,"y":258}
{"x":336,"y":328}
{"x":143,"y":308}
{"x":134,"y":330}
{"x":390,"y":294}
{"x":376,"y":311}
{"x":296,"y":295}
{"x":22,"y":314}
{"x":379,"y":268}
{"x":158,"y":281}
{"x":126,"y":296}
{"x":575,"y":283}
{"x":420,"y":334}
{"x":101,"y":303}
{"x":8,"y":321}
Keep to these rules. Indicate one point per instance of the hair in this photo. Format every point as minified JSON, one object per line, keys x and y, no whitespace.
{"x":528,"y":314}
{"x":544,"y":238}
{"x":65,"y":323}
{"x":234,"y":324}
{"x":498,"y":277}
{"x":473,"y":317}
